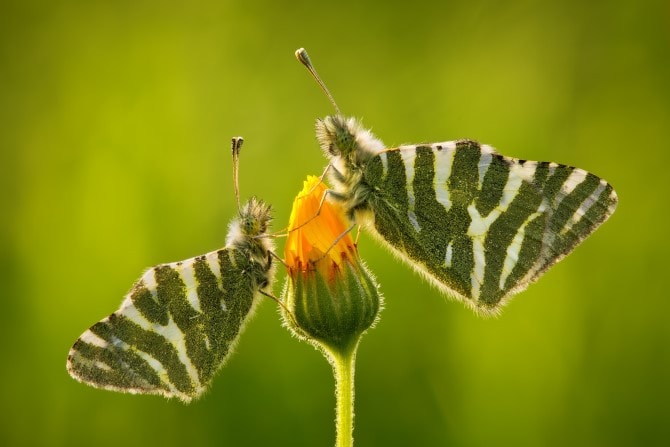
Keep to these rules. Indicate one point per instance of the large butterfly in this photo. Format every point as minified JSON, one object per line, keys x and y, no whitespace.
{"x":477,"y":224}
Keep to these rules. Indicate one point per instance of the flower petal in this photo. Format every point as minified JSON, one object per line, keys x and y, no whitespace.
{"x":311,"y":239}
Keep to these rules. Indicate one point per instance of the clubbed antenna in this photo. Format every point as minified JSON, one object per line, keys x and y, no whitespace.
{"x":302,"y":56}
{"x":236,"y":146}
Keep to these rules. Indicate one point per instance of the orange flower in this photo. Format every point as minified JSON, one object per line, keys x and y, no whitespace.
{"x":311,"y":240}
{"x":330,"y":297}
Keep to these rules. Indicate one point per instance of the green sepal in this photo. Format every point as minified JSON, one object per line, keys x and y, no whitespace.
{"x":332,"y":313}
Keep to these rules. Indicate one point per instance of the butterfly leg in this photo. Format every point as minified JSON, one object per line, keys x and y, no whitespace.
{"x":338,"y":175}
{"x":334,"y":194}
{"x":358,"y":235}
{"x":337,"y":239}
{"x":277,"y":257}
{"x":278,"y":301}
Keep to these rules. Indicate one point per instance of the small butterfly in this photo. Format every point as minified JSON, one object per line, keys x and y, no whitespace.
{"x":479,"y":225}
{"x":180,"y":322}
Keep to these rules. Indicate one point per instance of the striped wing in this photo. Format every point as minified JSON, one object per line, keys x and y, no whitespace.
{"x":480,"y":225}
{"x":174,"y":329}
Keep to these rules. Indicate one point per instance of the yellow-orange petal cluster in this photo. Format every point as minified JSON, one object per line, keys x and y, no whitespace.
{"x":311,"y":240}
{"x":330,"y":297}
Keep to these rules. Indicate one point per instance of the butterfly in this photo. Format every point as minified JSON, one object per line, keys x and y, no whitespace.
{"x":478,"y":225}
{"x":180,"y":321}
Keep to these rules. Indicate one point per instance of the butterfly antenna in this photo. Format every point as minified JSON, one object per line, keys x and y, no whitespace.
{"x":236,"y":146}
{"x":302,"y":56}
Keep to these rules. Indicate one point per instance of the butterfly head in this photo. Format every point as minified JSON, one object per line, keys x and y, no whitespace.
{"x":249,"y":231}
{"x":343,"y":140}
{"x":347,"y":139}
{"x":255,"y":217}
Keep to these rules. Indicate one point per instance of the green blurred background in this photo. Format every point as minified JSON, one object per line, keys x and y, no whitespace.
{"x":115,"y":124}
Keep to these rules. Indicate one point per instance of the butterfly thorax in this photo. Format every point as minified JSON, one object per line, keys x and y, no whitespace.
{"x":349,"y":147}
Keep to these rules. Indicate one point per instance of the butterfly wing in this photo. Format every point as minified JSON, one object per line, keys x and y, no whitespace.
{"x":174,"y":329}
{"x":481,"y":226}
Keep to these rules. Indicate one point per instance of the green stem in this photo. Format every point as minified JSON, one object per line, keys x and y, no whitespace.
{"x":344,"y":366}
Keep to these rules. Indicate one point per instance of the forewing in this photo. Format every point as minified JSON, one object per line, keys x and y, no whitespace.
{"x":174,"y":329}
{"x":480,"y":225}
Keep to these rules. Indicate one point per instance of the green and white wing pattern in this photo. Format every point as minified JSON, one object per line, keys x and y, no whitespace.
{"x":481,"y":226}
{"x":180,"y":322}
{"x":478,"y":225}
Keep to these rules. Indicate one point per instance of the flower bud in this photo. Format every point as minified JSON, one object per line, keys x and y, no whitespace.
{"x":330,"y":294}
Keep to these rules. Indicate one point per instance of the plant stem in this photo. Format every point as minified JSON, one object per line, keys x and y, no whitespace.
{"x":343,"y":362}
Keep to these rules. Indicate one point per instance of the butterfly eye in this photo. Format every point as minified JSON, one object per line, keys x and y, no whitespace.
{"x":345,"y":141}
{"x":251,"y":226}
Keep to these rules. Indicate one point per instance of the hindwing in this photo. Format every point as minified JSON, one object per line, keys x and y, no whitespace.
{"x":174,"y":329}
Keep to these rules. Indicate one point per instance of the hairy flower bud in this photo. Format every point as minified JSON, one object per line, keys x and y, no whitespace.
{"x":330,"y":294}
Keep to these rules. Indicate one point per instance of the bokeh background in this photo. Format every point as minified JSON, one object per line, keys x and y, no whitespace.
{"x":115,"y":122}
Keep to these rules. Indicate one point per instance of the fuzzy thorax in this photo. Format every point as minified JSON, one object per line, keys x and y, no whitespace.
{"x":349,"y":146}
